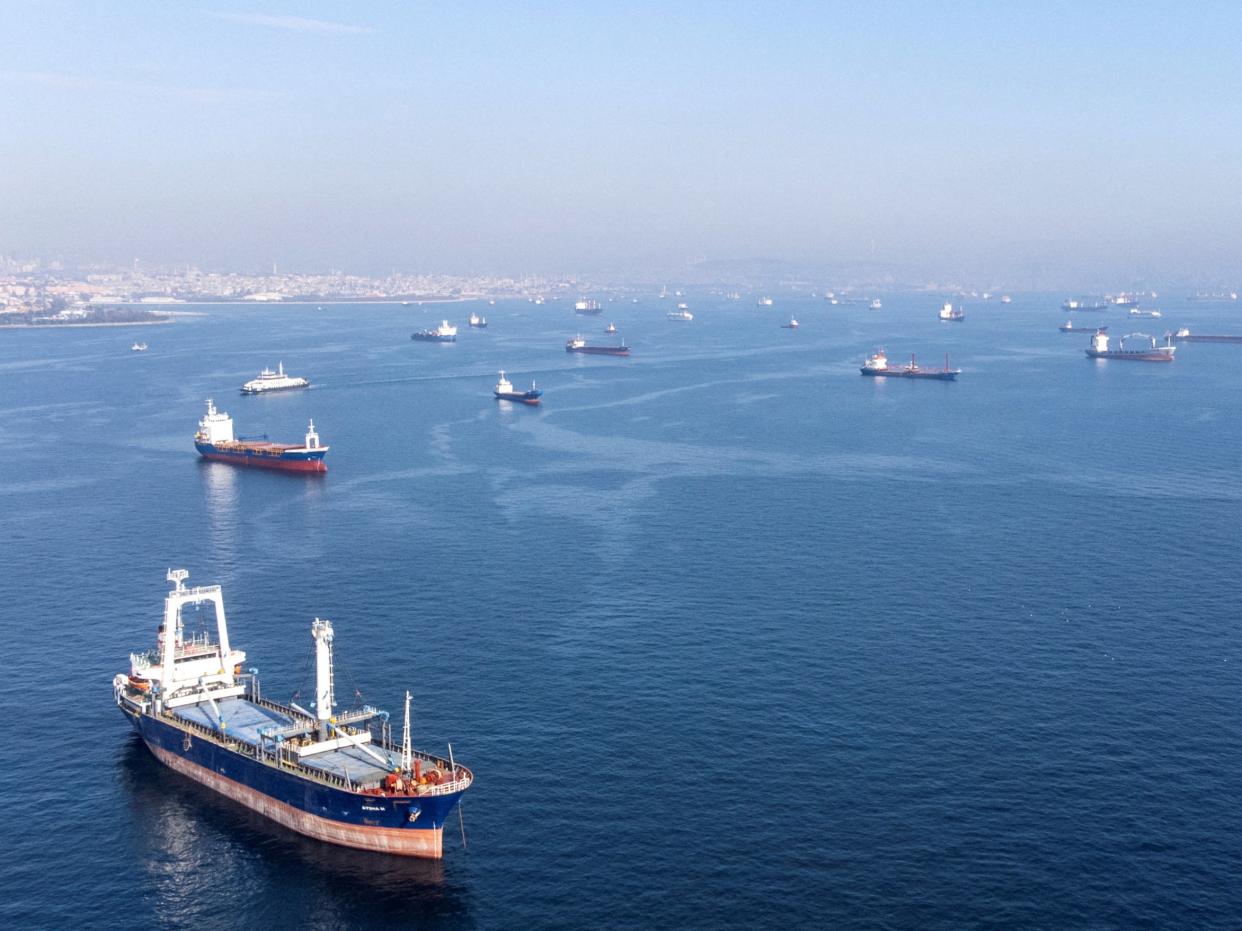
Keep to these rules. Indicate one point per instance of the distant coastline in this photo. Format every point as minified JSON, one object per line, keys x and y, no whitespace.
{"x":93,"y":317}
{"x":412,"y":302}
{"x":79,"y":326}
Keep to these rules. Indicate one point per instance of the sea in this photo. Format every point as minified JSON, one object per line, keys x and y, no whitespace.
{"x":731,"y":636}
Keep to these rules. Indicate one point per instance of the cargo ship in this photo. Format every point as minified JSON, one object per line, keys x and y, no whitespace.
{"x":1184,"y":335}
{"x":504,"y":391}
{"x":215,"y":441}
{"x":332,"y":774}
{"x":765,"y":302}
{"x":578,"y":344}
{"x":586,"y":306}
{"x":1149,"y":353}
{"x":949,"y":312}
{"x":1123,"y":300}
{"x":1083,"y":303}
{"x":479,"y":323}
{"x":1220,"y":297}
{"x":273,"y":381}
{"x":877,"y":365}
{"x":611,"y":328}
{"x":1068,"y":327}
{"x":444,"y":333}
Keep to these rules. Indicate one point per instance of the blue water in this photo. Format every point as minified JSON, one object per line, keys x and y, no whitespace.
{"x":731,"y":635}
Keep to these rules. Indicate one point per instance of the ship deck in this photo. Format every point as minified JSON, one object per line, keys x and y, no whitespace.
{"x":244,"y":719}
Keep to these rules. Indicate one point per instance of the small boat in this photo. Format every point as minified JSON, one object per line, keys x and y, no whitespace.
{"x":877,"y":365}
{"x":876,"y":305}
{"x":611,"y":328}
{"x":1068,"y":327}
{"x":1006,"y":299}
{"x":138,"y":347}
{"x":444,"y":333}
{"x":504,"y":391}
{"x":273,"y":381}
{"x":479,"y":323}
{"x":578,"y":344}
{"x":791,"y":325}
{"x":949,"y":312}
{"x":680,"y":314}
{"x":1152,"y":352}
{"x":765,"y":302}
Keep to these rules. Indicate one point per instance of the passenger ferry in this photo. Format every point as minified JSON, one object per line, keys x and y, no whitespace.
{"x":273,"y":381}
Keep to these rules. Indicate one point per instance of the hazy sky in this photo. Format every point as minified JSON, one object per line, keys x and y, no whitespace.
{"x":1078,"y":140}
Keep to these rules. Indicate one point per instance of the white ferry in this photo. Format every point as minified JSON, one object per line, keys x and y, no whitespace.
{"x":273,"y":381}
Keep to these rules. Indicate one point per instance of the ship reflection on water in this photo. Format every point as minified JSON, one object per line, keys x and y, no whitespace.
{"x":210,"y":861}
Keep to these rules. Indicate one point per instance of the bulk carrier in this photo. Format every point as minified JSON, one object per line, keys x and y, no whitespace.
{"x":1151,"y":352}
{"x":214,"y":440}
{"x":324,"y":773}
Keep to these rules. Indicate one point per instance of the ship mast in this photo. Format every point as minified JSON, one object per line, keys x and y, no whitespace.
{"x":406,"y":750}
{"x":321,"y":630}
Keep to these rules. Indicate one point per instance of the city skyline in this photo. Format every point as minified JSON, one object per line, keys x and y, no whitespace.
{"x":1062,"y":146}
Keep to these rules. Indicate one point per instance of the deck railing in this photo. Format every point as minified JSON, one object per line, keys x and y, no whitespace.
{"x":283,"y":757}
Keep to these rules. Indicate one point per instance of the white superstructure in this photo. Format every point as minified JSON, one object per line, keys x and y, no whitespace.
{"x":273,"y":381}
{"x":185,"y":670}
{"x":215,"y":427}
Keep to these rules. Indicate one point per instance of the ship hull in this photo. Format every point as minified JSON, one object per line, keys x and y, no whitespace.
{"x":522,"y":397}
{"x":337,"y":816}
{"x":1136,"y":356}
{"x":311,"y":461}
{"x":270,"y":390}
{"x":432,"y":338}
{"x":599,"y":351}
{"x":898,"y":373}
{"x":1207,"y":339}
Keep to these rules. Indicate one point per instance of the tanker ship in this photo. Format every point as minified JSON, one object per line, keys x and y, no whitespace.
{"x":1149,"y":353}
{"x":215,"y":440}
{"x":1184,"y":335}
{"x":877,"y":365}
{"x":578,"y":344}
{"x":334,"y":775}
{"x":1084,"y":303}
{"x":444,"y":333}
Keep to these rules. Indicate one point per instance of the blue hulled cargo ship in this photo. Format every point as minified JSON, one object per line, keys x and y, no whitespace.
{"x":214,"y":440}
{"x":337,"y":776}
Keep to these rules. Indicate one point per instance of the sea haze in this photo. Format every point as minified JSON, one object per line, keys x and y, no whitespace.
{"x":730,"y":635}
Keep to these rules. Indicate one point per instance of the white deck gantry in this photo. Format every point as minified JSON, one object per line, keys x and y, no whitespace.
{"x":194,"y":670}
